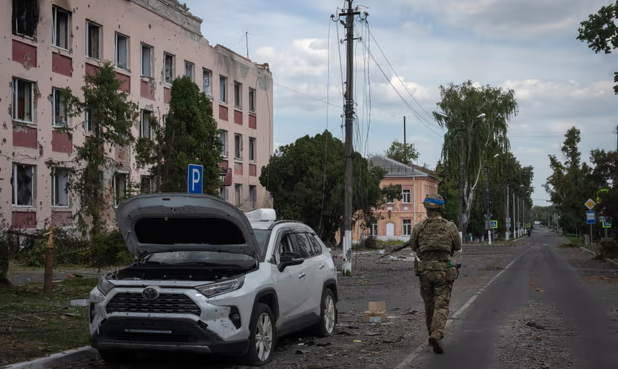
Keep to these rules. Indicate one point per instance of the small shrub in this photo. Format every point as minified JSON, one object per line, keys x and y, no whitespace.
{"x":609,"y":249}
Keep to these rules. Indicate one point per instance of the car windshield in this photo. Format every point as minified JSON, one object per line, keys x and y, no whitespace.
{"x":201,"y":257}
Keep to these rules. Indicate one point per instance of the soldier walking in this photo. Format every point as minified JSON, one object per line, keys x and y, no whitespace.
{"x":435,"y":240}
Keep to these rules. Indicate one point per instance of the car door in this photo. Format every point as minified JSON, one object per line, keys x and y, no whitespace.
{"x":324,"y":264}
{"x":311,"y":305}
{"x":290,"y":283}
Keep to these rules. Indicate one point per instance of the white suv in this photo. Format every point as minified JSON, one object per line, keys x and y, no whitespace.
{"x":210,"y":279}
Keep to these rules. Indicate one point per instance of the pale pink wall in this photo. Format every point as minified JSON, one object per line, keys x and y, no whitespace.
{"x":62,"y":68}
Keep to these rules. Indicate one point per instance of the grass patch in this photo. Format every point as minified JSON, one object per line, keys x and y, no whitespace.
{"x":33,"y":324}
{"x":574,"y":239}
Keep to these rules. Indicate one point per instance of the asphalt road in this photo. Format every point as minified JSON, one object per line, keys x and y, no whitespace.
{"x":540,"y":313}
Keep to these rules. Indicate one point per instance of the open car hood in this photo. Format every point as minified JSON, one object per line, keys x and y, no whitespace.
{"x":167,"y":222}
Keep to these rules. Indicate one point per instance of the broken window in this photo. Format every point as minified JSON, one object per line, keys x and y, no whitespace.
{"x":59,"y":114}
{"x":25,"y":17}
{"x":145,"y":131}
{"x":407,"y":227}
{"x":252,"y":148}
{"x":93,"y":40}
{"x":189,"y":70}
{"x":168,"y":67}
{"x":222,"y":89}
{"x":23,"y":100}
{"x":120,"y":187}
{"x":61,"y":31}
{"x":206,"y":82}
{"x":251,"y":100}
{"x":237,"y":94}
{"x":147,"y":184}
{"x":122,"y":51}
{"x":238,"y":194}
{"x":60,"y":191}
{"x":238,"y":146}
{"x":22,"y":182}
{"x":146,"y":60}
{"x":223,"y":138}
{"x":252,"y":197}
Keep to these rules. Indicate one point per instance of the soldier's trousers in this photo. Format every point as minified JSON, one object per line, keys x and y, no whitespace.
{"x":436,"y":290}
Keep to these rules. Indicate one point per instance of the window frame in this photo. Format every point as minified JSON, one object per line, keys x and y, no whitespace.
{"x":207,"y":91}
{"x":406,"y":224}
{"x":190,"y":66}
{"x":252,"y":149}
{"x":252,"y":96}
{"x":238,"y":147}
{"x":143,"y":46}
{"x":15,"y":21}
{"x":90,"y":23}
{"x":150,"y":184}
{"x":87,"y":122}
{"x":15,"y":92}
{"x":15,"y":186}
{"x":253,"y":196}
{"x":55,"y":10}
{"x":237,"y":95}
{"x":223,"y":137}
{"x":115,"y":186}
{"x":374,"y":229}
{"x":143,"y":121}
{"x":237,"y":194}
{"x":117,"y":54}
{"x":222,"y":89}
{"x":172,"y":68}
{"x":54,"y":199}
{"x":403,"y":196}
{"x":57,"y":93}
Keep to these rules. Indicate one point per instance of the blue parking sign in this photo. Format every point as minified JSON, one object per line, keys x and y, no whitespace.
{"x":195,"y":178}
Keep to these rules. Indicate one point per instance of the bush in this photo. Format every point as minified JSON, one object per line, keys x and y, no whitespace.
{"x":609,"y":249}
{"x":102,"y":250}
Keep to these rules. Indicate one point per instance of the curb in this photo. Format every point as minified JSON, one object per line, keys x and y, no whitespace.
{"x":60,"y":359}
{"x":592,"y":252}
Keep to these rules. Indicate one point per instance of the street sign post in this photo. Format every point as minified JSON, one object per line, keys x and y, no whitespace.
{"x":606,"y":226}
{"x":590,"y":219}
{"x":195,"y":179}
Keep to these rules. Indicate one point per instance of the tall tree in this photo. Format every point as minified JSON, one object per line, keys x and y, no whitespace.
{"x":111,"y":116}
{"x":601,"y":32}
{"x":403,"y":153}
{"x":188,"y":136}
{"x":305,"y":179}
{"x":470,"y":141}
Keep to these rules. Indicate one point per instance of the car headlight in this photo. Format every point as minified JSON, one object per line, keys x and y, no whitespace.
{"x":219,"y":288}
{"x":105,"y":286}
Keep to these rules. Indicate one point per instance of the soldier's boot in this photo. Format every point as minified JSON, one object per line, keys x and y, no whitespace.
{"x":436,"y":342}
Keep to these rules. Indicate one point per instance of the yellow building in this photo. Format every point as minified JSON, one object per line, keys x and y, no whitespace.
{"x":396,"y":219}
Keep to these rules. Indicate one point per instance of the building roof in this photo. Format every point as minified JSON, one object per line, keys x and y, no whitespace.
{"x":395,"y":169}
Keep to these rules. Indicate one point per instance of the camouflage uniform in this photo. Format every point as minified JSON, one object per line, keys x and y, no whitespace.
{"x":434,"y":240}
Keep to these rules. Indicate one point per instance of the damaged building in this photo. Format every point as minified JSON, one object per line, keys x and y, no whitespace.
{"x":53,"y":44}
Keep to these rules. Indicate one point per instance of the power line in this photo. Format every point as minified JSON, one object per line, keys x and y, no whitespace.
{"x":308,"y":96}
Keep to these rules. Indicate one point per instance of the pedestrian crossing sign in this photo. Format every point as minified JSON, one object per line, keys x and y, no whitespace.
{"x":607,"y":224}
{"x":493,"y":224}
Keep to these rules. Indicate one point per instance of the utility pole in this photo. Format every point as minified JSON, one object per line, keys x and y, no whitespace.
{"x":461,"y":182}
{"x":349,"y":15}
{"x":616,"y":138}
{"x":247,"y":42}
{"x":508,"y":227}
{"x":404,"y":136}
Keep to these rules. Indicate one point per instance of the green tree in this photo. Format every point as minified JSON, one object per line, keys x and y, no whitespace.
{"x":402,"y":153}
{"x":189,"y":136}
{"x":604,"y":175}
{"x":111,"y":116}
{"x":470,"y":141}
{"x":601,"y":32}
{"x":305,"y":179}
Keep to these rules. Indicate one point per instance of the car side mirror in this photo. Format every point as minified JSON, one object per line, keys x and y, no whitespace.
{"x":289,"y":259}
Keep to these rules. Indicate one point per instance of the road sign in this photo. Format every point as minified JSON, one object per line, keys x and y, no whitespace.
{"x":195,"y":178}
{"x":590,"y":217}
{"x":508,"y":220}
{"x":494,"y":224}
{"x":601,"y":219}
{"x":598,"y":196}
{"x":590,"y":204}
{"x":488,"y":216}
{"x":607,"y":224}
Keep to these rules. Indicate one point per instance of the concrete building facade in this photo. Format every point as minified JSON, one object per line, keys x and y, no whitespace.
{"x":51,"y":45}
{"x":397,"y":218}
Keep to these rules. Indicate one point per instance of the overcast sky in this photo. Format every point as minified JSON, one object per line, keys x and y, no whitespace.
{"x":527,"y":45}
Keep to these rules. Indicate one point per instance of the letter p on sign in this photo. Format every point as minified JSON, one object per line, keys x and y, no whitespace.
{"x":195,"y":178}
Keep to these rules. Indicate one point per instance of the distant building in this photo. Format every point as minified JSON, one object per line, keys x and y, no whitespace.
{"x":51,"y":45}
{"x":396,"y":219}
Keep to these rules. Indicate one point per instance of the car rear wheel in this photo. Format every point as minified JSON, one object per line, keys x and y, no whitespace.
{"x":328,"y":314}
{"x":117,"y":356}
{"x":263,"y":336}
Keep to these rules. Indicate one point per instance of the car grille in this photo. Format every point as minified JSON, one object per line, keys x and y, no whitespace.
{"x":152,"y":337}
{"x":165,"y":303}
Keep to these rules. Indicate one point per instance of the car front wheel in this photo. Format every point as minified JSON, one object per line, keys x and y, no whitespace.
{"x":328,"y":314}
{"x":263,"y":336}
